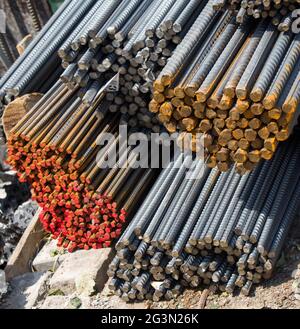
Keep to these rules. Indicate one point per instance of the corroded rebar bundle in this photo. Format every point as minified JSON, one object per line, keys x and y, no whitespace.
{"x":240,"y":89}
{"x":58,"y":148}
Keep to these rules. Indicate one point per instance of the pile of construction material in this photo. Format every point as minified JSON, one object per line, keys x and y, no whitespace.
{"x":222,"y":229}
{"x":119,"y":40}
{"x":210,"y":75}
{"x":234,"y":83}
{"x":281,"y":11}
{"x":239,"y":87}
{"x":104,"y":40}
{"x":39,"y":66}
{"x":54,"y":146}
{"x":60,"y":148}
{"x":18,"y":19}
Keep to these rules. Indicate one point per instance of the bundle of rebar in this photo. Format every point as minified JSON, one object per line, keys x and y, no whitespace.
{"x":90,"y":53}
{"x":239,"y":87}
{"x":221,"y":229}
{"x":39,"y":66}
{"x":151,"y":52}
{"x":58,"y":148}
{"x":99,"y":40}
{"x":131,"y":40}
{"x":280,"y":11}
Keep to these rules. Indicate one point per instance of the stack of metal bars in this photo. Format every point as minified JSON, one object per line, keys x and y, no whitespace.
{"x":239,"y":91}
{"x":222,"y":229}
{"x":280,"y":11}
{"x":39,"y":66}
{"x":61,"y":148}
{"x":118,"y":38}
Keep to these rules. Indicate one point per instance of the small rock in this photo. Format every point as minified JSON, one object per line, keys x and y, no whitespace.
{"x":49,"y":257}
{"x":78,"y":266}
{"x":75,"y":303}
{"x":86,"y":302}
{"x":297,"y":290}
{"x":55,"y":302}
{"x":296,"y":284}
{"x":297,"y":296}
{"x":194,"y":301}
{"x":3,"y":284}
{"x":24,"y":214}
{"x":27,"y":290}
{"x":3,"y":193}
{"x":295,"y":273}
{"x":85,"y":285}
{"x":223,"y":302}
{"x":7,"y":177}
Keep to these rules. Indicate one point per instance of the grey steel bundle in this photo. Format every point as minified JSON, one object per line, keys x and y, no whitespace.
{"x":129,"y":41}
{"x":239,"y":88}
{"x":220,"y":230}
{"x":39,"y":65}
{"x":150,"y":54}
{"x":280,"y":11}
